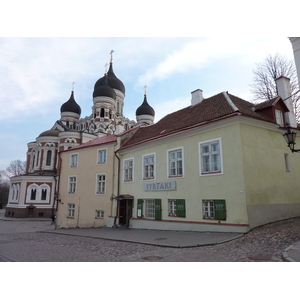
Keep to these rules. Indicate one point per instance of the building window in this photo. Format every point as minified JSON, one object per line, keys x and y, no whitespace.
{"x":148,"y":166}
{"x":175,"y":162}
{"x":177,"y":208}
{"x":33,"y":159}
{"x":149,"y":208}
{"x":102,"y":113}
{"x":279,"y":117}
{"x":71,"y":210}
{"x":102,"y":156}
{"x":287,"y":162}
{"x":74,"y":160}
{"x":210,"y":157}
{"x":72,"y":185}
{"x":101,"y":183}
{"x":128,"y":169}
{"x":99,"y":214}
{"x":48,"y":158}
{"x":38,"y":158}
{"x":214,"y":209}
{"x":44,"y":194}
{"x":33,"y":194}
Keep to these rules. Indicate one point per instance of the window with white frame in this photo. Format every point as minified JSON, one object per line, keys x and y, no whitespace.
{"x":72,"y":185}
{"x":214,"y":209}
{"x":101,"y":183}
{"x":99,"y":214}
{"x":74,"y":160}
{"x":176,"y":207}
{"x":128,"y":169}
{"x":279,"y":117}
{"x":210,"y":157}
{"x":102,"y":156}
{"x":149,"y":208}
{"x":48,"y":158}
{"x":175,"y":158}
{"x":148,"y":166}
{"x":71,"y":210}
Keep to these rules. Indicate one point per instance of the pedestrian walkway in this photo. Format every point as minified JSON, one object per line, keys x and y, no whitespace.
{"x":162,"y":238}
{"x":292,"y":253}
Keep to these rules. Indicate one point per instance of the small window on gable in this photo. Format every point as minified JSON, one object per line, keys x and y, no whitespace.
{"x":279,"y":117}
{"x":102,"y":156}
{"x":74,"y":160}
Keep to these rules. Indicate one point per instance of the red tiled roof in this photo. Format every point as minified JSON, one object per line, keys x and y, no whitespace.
{"x":266,"y":104}
{"x":208,"y":110}
{"x":107,"y":139}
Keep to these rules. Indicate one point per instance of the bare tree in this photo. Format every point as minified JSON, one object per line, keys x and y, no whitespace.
{"x":15,"y":168}
{"x":264,"y":85}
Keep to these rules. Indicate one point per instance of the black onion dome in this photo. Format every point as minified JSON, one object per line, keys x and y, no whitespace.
{"x":71,"y":106}
{"x":102,"y":88}
{"x":145,"y":109}
{"x":112,"y":79}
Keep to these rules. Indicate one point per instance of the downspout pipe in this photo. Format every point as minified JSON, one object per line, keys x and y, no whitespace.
{"x":118,"y":189}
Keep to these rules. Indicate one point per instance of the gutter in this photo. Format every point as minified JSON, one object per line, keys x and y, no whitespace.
{"x":118,"y":188}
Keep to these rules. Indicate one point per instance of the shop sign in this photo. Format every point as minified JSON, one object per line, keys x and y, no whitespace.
{"x":160,"y":186}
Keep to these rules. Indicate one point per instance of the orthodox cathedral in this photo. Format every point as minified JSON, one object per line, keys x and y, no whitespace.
{"x":34,"y":194}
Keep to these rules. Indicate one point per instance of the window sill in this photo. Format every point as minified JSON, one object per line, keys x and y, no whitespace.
{"x":175,"y":176}
{"x":211,"y":173}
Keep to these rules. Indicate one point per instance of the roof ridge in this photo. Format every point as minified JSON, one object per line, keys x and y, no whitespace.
{"x":233,"y":106}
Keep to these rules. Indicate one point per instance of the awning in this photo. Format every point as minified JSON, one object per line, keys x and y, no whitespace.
{"x":123,"y":197}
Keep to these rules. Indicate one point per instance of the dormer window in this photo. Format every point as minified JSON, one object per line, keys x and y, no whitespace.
{"x":279,"y":117}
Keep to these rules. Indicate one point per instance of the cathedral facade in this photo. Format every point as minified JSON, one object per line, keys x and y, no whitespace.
{"x":34,"y":194}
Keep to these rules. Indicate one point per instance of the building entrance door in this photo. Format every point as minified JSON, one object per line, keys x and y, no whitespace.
{"x":125,"y":211}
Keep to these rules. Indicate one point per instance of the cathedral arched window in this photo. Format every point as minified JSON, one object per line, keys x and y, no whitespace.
{"x":48,"y":158}
{"x":33,"y":159}
{"x":33,"y":194}
{"x":102,"y":113}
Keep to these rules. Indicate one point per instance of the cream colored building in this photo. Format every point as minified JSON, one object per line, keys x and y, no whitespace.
{"x":220,"y":164}
{"x":86,"y":184}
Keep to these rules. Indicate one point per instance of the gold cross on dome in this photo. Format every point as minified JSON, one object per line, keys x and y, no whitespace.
{"x":145,"y":87}
{"x":111,"y":55}
{"x":106,"y":65}
{"x":73,"y":83}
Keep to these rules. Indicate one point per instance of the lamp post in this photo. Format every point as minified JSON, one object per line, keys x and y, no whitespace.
{"x":290,"y":138}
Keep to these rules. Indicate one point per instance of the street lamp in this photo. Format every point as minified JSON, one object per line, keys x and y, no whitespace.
{"x":290,"y":138}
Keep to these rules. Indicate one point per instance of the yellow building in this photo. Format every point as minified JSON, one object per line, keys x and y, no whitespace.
{"x":220,"y":164}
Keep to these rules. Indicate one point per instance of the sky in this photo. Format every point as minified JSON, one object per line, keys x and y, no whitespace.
{"x":172,"y":49}
{"x":36,"y":76}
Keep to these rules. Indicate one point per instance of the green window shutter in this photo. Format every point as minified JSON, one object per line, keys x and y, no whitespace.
{"x":139,"y":212}
{"x":180,"y":208}
{"x":157,"y":208}
{"x":220,"y":209}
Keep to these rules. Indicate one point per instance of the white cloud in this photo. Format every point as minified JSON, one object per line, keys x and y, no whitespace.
{"x":164,"y":108}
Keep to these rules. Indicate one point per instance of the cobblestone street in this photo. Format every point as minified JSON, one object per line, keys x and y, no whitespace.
{"x":20,"y":241}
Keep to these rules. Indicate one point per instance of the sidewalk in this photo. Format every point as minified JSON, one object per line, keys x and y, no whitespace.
{"x":162,"y":238}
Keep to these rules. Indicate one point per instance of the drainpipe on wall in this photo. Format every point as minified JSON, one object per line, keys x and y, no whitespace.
{"x":118,"y":189}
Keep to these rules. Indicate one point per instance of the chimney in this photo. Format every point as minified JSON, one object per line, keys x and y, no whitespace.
{"x":284,"y":91}
{"x":197,"y":97}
